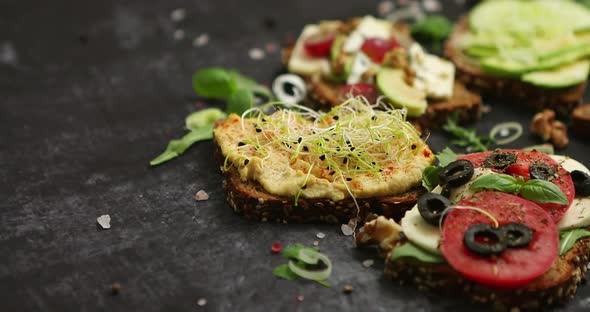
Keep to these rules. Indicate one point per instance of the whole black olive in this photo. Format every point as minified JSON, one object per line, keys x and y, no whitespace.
{"x":484,"y":240}
{"x":541,"y":171}
{"x":456,"y":173}
{"x":581,"y":182}
{"x":517,"y":234}
{"x":431,"y":207}
{"x":500,"y":160}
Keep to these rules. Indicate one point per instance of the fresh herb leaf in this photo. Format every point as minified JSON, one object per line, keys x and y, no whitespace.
{"x":446,"y":157}
{"x":244,"y":82}
{"x":542,"y":191}
{"x":430,"y":177}
{"x":585,"y":3}
{"x":214,"y":82}
{"x":177,"y":147}
{"x":466,"y":137}
{"x":567,"y":239}
{"x":239,"y":102}
{"x":283,"y":271}
{"x":409,"y":250}
{"x":292,"y":252}
{"x":434,"y":28}
{"x":203,"y":118}
{"x":500,"y":182}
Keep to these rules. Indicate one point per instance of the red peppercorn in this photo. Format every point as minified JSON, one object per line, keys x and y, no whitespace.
{"x":276,"y":247}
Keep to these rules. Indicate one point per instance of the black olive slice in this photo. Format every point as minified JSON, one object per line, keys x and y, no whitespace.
{"x":500,"y":160}
{"x":484,"y":240}
{"x":456,"y":173}
{"x":541,"y":171}
{"x":581,"y":182}
{"x":431,"y":207}
{"x":517,"y":234}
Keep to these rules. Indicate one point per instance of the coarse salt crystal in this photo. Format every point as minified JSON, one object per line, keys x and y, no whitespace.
{"x":178,"y":15}
{"x":256,"y":54}
{"x":104,"y":221}
{"x":178,"y":34}
{"x":368,"y":263}
{"x":320,"y":235}
{"x":202,"y":302}
{"x":201,"y":195}
{"x":385,"y":7}
{"x":201,"y":40}
{"x":346,"y":229}
{"x":299,"y":298}
{"x":431,"y":5}
{"x":315,"y":243}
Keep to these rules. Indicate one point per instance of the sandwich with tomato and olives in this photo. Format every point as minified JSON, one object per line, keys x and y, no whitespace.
{"x":507,"y":228}
{"x":374,"y":57}
{"x":536,"y":52}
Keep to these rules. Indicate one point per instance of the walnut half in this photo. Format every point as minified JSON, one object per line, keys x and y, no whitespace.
{"x":549,"y":129}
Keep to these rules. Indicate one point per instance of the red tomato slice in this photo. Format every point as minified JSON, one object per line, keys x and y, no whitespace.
{"x":514,"y":267}
{"x":319,"y":45}
{"x":367,"y":90}
{"x":521,"y":168}
{"x":376,"y":48}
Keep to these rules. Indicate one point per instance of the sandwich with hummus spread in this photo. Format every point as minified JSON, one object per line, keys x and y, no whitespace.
{"x":299,"y":165}
{"x":505,"y":228}
{"x":536,"y":52}
{"x":374,"y":57}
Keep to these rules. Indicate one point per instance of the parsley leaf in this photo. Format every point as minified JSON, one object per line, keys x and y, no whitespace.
{"x":430,"y":177}
{"x":466,"y":137}
{"x":446,"y":157}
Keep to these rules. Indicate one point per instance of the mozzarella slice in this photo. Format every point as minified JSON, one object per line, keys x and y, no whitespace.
{"x":420,"y":232}
{"x":434,"y":75}
{"x":369,"y":27}
{"x":300,"y":62}
{"x":578,"y":214}
{"x":463,"y":191}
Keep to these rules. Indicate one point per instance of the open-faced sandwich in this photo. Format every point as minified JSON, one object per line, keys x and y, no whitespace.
{"x":534,"y":51}
{"x":298,"y":165}
{"x":507,"y":228}
{"x":373,"y":57}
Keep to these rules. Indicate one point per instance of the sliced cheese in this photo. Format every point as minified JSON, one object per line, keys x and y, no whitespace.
{"x":303,"y":64}
{"x":420,"y":232}
{"x":434,"y":75}
{"x":369,"y":27}
{"x":360,"y":65}
{"x":578,"y":214}
{"x":461,"y":192}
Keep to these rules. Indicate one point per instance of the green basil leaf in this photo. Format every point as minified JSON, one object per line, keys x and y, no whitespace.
{"x":292,"y":252}
{"x":177,"y":147}
{"x":283,"y":271}
{"x":499,"y":182}
{"x":214,"y":82}
{"x":244,"y":82}
{"x":446,"y":157}
{"x":203,"y":118}
{"x":542,"y":191}
{"x":409,"y":250}
{"x":430,"y":177}
{"x":567,"y":239}
{"x":239,"y":102}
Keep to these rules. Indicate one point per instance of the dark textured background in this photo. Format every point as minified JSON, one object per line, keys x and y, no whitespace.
{"x":90,"y":91}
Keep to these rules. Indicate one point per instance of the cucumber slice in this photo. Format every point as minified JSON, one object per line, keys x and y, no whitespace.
{"x":564,"y":76}
{"x":391,"y":83}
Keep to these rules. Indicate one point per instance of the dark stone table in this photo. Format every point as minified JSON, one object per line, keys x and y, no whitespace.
{"x":90,"y":91}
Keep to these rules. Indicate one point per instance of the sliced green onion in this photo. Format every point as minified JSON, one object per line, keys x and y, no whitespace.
{"x":508,"y":127}
{"x":308,"y":256}
{"x":308,"y":274}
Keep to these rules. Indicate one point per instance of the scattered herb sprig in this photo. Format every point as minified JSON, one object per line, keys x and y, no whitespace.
{"x":536,"y":190}
{"x":464,"y":137}
{"x":568,"y":238}
{"x":304,"y":262}
{"x":238,"y":90}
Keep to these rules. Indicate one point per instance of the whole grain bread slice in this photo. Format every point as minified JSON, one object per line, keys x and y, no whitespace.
{"x":251,"y":200}
{"x":561,"y":100}
{"x":557,"y":286}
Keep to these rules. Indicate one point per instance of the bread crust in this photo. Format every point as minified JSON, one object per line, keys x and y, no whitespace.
{"x":249,"y":199}
{"x":556,"y":286}
{"x":562,"y":100}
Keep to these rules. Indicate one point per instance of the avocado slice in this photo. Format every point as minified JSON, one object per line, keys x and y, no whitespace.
{"x":564,"y":76}
{"x":391,"y":83}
